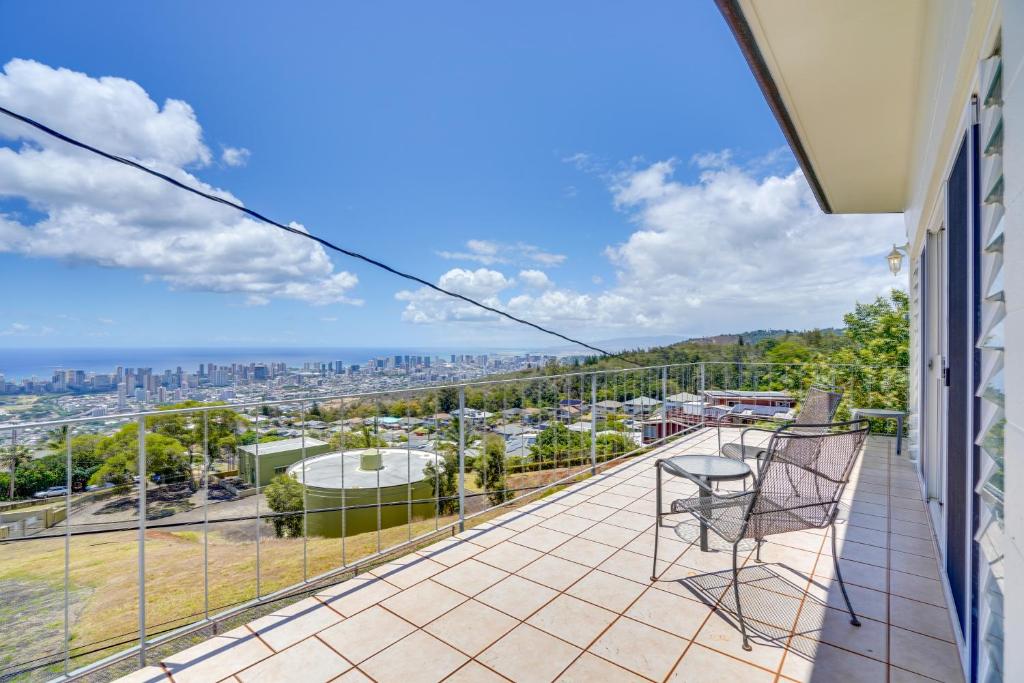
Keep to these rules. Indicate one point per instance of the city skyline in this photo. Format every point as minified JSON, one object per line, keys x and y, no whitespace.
{"x":622,"y":221}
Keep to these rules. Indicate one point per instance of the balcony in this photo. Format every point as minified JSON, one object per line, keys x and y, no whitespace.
{"x":551,"y":585}
{"x":559,"y":589}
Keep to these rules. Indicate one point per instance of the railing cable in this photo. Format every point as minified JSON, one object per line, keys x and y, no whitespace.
{"x":296,"y":231}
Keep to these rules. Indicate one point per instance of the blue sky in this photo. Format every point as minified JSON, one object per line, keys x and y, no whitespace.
{"x":608,"y":169}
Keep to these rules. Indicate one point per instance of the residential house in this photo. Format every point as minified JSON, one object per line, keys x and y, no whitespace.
{"x":438,"y":420}
{"x":608,"y":407}
{"x":752,"y":398}
{"x":642,"y":405}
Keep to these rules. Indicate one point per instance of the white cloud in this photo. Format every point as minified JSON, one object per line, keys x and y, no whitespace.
{"x":22,"y":330}
{"x":747,"y":251}
{"x":489,"y":253}
{"x":719,"y":159}
{"x":426,"y":305}
{"x":14,"y":329}
{"x":736,"y":249}
{"x":537,"y":279}
{"x":235,"y":156}
{"x":102,"y":213}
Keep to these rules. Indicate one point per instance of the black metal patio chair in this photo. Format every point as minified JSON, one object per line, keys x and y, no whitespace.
{"x":819,"y":407}
{"x":798,"y":487}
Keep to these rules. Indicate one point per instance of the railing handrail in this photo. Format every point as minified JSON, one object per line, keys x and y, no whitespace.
{"x":566,"y":461}
{"x":210,"y":407}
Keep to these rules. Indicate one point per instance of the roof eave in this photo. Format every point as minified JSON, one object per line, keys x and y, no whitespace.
{"x":737,"y":22}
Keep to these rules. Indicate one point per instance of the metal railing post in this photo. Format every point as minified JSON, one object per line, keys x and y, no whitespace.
{"x":305,"y":504}
{"x":206,"y":514}
{"x":142,"y":541}
{"x":462,"y":458}
{"x":67,"y":556}
{"x":256,"y":483}
{"x":703,"y":399}
{"x":664,"y":403}
{"x":593,"y":424}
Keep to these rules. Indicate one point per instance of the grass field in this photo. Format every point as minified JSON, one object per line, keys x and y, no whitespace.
{"x":103,"y":587}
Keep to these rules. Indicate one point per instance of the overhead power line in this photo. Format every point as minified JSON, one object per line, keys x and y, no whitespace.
{"x":329,"y":245}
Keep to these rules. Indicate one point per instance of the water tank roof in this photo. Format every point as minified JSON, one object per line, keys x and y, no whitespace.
{"x":399,"y":464}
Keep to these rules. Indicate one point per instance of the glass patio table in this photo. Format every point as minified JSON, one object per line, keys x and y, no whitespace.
{"x":707,"y":468}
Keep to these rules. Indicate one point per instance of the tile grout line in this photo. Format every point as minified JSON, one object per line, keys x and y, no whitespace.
{"x":562,"y":592}
{"x":800,"y":609}
{"x":523,"y":621}
{"x":620,"y":469}
{"x":888,"y":569}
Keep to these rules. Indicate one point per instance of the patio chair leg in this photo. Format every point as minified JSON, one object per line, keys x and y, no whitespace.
{"x":736,"y":594}
{"x":757,"y":554}
{"x":839,"y":575}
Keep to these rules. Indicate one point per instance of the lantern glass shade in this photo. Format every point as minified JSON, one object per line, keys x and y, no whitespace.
{"x":895,"y":260}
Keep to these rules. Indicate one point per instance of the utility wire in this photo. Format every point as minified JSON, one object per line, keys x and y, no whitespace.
{"x":264,"y":219}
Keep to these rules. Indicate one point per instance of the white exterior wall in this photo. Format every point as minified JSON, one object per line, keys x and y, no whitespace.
{"x":958,"y":36}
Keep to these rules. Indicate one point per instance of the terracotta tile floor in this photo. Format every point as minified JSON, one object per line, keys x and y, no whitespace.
{"x":560,"y":590}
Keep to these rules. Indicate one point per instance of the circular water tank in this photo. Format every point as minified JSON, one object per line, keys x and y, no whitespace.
{"x":373,"y":485}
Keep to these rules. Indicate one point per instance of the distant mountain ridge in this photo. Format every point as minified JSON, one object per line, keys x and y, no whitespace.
{"x":653,"y":342}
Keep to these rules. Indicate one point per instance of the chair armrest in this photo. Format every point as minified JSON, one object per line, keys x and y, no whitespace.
{"x":760,"y":429}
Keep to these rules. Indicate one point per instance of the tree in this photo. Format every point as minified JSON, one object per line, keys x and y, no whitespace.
{"x":490,"y":470}
{"x":444,"y":474}
{"x":285,"y":497}
{"x":558,"y":440}
{"x":447,"y":399}
{"x":610,"y":445}
{"x":166,"y":457}
{"x":449,"y":438}
{"x":13,"y":457}
{"x":220,"y":426}
{"x":56,"y":438}
{"x":363,"y":438}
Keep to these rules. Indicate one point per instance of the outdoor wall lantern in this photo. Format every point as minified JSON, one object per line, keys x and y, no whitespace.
{"x":895,"y":258}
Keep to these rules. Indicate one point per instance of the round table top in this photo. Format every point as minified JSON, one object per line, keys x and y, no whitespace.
{"x":878,"y":412}
{"x":710,"y":467}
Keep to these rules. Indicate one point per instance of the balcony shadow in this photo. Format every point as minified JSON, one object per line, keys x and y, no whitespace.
{"x":769,"y":619}
{"x":780,"y":612}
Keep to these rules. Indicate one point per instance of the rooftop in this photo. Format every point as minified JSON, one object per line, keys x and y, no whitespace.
{"x":560,"y":589}
{"x":398,"y":464}
{"x":749,"y":394}
{"x":282,"y":445}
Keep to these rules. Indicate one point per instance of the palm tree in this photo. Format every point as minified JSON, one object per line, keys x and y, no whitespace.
{"x":56,"y":438}
{"x":13,"y":457}
{"x":450,"y":437}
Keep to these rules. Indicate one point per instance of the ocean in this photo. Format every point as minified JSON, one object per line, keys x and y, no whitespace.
{"x":23,"y":363}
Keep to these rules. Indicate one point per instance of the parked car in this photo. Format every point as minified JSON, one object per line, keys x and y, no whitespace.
{"x":51,"y":492}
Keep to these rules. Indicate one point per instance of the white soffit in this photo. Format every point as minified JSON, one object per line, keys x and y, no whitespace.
{"x":847,"y":74}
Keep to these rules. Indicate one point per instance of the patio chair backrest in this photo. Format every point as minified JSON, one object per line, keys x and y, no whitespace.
{"x":819,"y":407}
{"x":803,"y":476}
